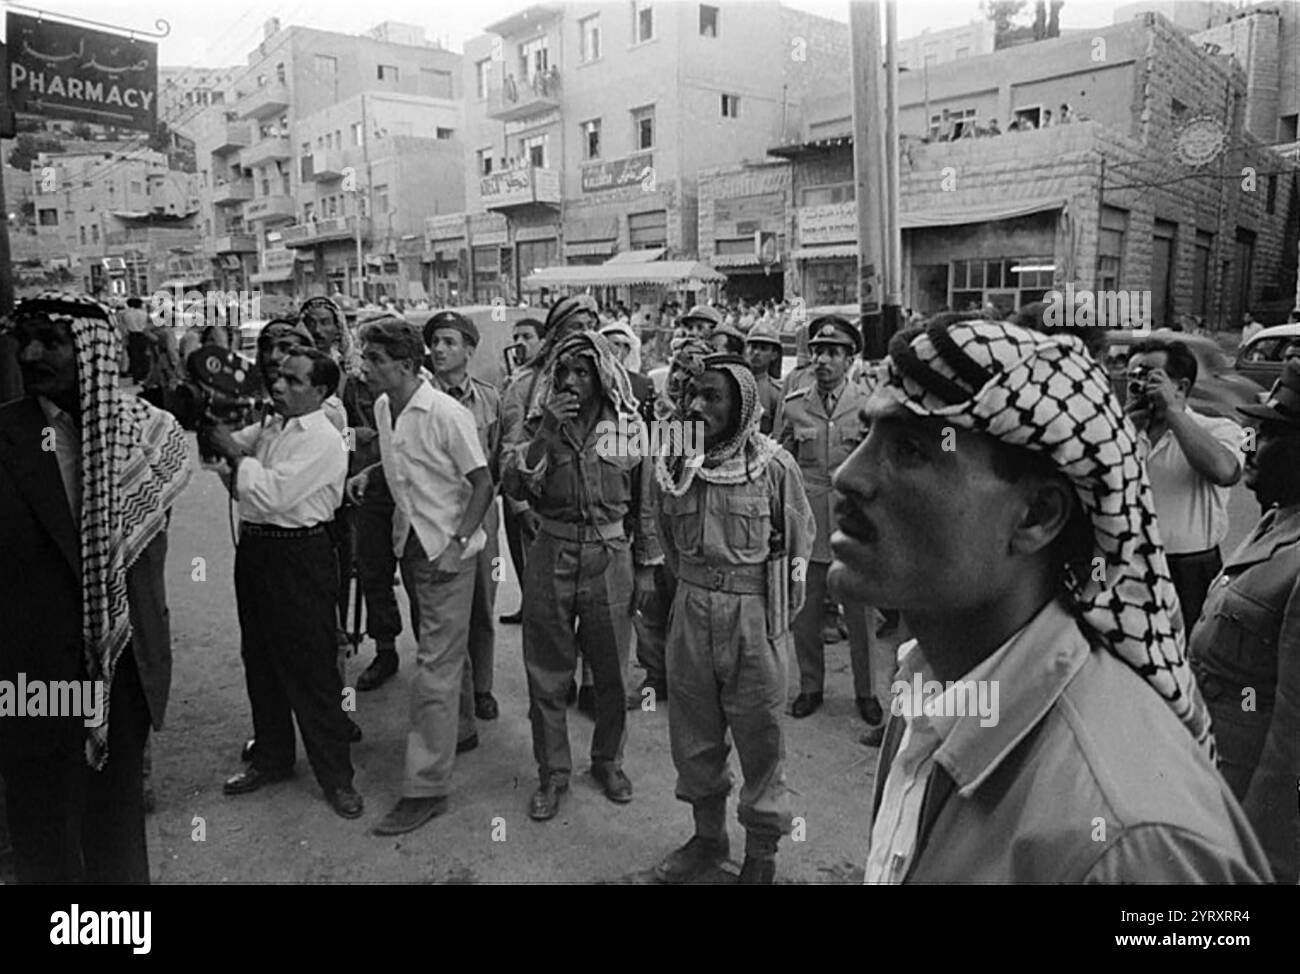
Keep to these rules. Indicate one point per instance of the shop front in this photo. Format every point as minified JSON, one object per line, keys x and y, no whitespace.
{"x":826,"y":258}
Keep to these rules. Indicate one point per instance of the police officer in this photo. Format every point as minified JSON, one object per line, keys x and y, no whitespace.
{"x":763,"y":349}
{"x":820,"y":426}
{"x":451,"y":339}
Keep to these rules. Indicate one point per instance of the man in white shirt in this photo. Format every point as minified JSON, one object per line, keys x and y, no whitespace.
{"x":1191,"y":460}
{"x":434,"y":466}
{"x":1046,"y":726}
{"x":287,"y":475}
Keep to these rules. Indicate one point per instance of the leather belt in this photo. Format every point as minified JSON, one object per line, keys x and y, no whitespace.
{"x":254,"y":530}
{"x":573,"y":531}
{"x":735,"y":579}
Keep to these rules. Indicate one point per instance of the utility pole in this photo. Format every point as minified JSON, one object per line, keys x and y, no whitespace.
{"x":868,"y":166}
{"x":893,"y":234}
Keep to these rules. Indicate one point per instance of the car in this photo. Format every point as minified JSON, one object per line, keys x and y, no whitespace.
{"x":1219,"y":390}
{"x":1262,"y":357}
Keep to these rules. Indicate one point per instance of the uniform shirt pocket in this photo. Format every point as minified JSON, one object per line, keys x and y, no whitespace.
{"x":748,"y":529}
{"x":684,"y":516}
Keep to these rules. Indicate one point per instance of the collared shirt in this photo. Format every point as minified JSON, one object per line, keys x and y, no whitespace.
{"x":428,"y":456}
{"x":484,"y":404}
{"x":295,"y":477}
{"x":1017,"y":667}
{"x":1192,"y":512}
{"x":135,"y":320}
{"x":67,"y":451}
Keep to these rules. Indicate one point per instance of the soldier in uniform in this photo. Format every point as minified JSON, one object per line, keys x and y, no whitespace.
{"x":728,"y":339}
{"x":451,"y":339}
{"x":580,"y":588}
{"x":763,"y":350}
{"x":731,"y":529}
{"x":699,"y":322}
{"x":820,"y":426}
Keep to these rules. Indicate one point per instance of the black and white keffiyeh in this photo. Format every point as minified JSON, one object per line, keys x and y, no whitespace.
{"x":1046,"y":394}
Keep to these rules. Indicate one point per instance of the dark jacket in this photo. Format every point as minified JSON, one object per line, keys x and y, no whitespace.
{"x":40,"y":587}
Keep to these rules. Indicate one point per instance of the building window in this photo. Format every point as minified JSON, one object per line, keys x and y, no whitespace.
{"x":381,"y":199}
{"x":387,"y":72}
{"x":643,"y":126}
{"x":643,"y":21}
{"x":708,"y":21}
{"x":279,"y":73}
{"x":327,"y":66}
{"x":306,"y":151}
{"x":482,"y":75}
{"x":534,"y":150}
{"x":591,"y":139}
{"x":358,"y":134}
{"x":730,"y":106}
{"x":589,"y":38}
{"x":94,"y":233}
{"x":1110,"y":252}
{"x":536,"y":254}
{"x":1007,"y":284}
{"x":442,"y":133}
{"x":1270,"y":204}
{"x":485,"y":162}
{"x":826,"y":195}
{"x":647,"y":230}
{"x":1027,"y":118}
{"x":83,"y":235}
{"x":338,"y":138}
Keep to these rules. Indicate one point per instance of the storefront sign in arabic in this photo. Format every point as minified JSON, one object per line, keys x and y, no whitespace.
{"x":832,"y":223}
{"x":512,"y":187}
{"x":61,"y":71}
{"x":618,"y":174}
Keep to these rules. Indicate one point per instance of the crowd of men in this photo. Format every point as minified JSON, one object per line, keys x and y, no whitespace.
{"x":982,"y":490}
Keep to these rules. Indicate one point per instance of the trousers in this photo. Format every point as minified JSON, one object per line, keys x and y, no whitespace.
{"x":286,"y":589}
{"x":376,"y":566}
{"x":652,"y":625}
{"x":442,"y":711}
{"x":726,"y":675}
{"x":869,"y":658}
{"x":482,"y":623}
{"x":1192,"y":575}
{"x":576,"y":594}
{"x":72,"y":824}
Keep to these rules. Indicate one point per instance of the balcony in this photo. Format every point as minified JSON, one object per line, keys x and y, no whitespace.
{"x":522,"y":97}
{"x":512,"y":188}
{"x":323,"y":231}
{"x":277,"y":208}
{"x":270,"y":100}
{"x":323,"y":167}
{"x":264,"y":151}
{"x":233,"y":135}
{"x":235,"y":243}
{"x":235,"y":191}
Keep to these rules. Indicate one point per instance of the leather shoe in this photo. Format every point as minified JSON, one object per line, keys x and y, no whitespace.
{"x":698,"y":856}
{"x":587,"y":702}
{"x":485,"y":706}
{"x":346,"y":802}
{"x":545,"y":802}
{"x":468,"y":744}
{"x":873,"y":737}
{"x":869,"y":710}
{"x":513,"y":619}
{"x":757,"y":872}
{"x":383,"y":666}
{"x":409,"y":814}
{"x":251,"y":779}
{"x":805,"y":704}
{"x":246,"y":752}
{"x":618,"y":788}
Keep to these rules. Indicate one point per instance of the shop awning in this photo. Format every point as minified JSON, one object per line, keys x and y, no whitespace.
{"x":638,"y":256}
{"x":735,"y":260}
{"x":829,"y":252}
{"x":950,"y":216}
{"x":590,"y":248}
{"x":611,"y":274}
{"x":184,"y":283}
{"x":272,"y":277}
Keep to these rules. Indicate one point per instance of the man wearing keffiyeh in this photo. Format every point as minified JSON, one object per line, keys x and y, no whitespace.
{"x":736,"y":520}
{"x":88,"y":475}
{"x":589,"y":496}
{"x":998,"y":502}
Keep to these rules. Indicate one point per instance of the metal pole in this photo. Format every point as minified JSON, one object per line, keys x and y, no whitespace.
{"x":893,"y":234}
{"x":868,"y":156}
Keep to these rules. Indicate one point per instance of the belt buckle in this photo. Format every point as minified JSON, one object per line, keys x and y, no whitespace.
{"x":717,"y":578}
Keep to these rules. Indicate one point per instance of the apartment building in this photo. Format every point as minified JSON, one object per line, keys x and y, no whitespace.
{"x":587,"y":124}
{"x":1119,"y":198}
{"x":119,"y":217}
{"x":330,"y":134}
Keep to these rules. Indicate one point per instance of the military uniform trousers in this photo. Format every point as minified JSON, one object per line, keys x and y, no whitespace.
{"x":285,"y":588}
{"x":576,"y":594}
{"x":871,"y":659}
{"x":725,"y":674}
{"x":482,"y":623}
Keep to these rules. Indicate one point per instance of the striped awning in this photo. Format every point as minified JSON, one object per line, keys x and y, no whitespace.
{"x":735,"y":260}
{"x":690,"y":273}
{"x":829,"y":252}
{"x":590,"y":248}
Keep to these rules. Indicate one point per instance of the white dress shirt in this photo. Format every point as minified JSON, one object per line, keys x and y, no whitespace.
{"x":427,"y":457}
{"x":1192,"y":513}
{"x":67,"y":451}
{"x":295,"y":477}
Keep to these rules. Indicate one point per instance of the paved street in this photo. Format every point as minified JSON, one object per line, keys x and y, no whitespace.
{"x":286,"y":833}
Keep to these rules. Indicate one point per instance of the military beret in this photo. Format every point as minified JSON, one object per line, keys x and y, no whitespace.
{"x":450,"y":319}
